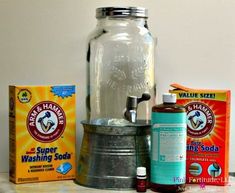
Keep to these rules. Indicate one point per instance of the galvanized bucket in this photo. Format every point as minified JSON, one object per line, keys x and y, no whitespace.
{"x":109,"y":155}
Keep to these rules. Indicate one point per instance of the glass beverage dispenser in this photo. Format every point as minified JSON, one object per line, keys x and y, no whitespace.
{"x":120,"y":61}
{"x":120,"y":94}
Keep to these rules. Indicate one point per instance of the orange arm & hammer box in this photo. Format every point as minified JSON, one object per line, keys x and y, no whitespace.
{"x":41,"y":133}
{"x":208,"y":119}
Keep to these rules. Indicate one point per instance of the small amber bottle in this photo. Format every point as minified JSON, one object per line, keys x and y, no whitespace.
{"x":168,"y":146}
{"x":141,"y":179}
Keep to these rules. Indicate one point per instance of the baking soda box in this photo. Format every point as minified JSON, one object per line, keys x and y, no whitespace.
{"x":208,"y":114}
{"x":42,"y":133}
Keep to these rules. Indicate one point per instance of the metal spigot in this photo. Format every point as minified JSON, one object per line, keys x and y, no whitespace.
{"x":132,"y":102}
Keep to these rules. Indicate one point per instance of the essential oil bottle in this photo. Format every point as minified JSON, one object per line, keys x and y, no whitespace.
{"x":141,"y":179}
{"x":168,"y":146}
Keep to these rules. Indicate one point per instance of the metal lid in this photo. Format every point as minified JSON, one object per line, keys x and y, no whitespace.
{"x":103,"y":12}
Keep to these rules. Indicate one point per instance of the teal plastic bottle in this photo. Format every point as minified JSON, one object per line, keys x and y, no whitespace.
{"x":168,"y":146}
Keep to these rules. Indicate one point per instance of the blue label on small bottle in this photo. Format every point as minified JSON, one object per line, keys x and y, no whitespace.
{"x":168,"y":148}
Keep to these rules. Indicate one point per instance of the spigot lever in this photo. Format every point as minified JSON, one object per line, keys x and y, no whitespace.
{"x":132,"y":102}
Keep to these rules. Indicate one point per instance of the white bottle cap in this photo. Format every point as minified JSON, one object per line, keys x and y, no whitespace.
{"x":169,"y":98}
{"x":141,"y":171}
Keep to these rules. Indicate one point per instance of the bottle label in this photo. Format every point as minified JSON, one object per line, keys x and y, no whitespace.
{"x":168,"y":148}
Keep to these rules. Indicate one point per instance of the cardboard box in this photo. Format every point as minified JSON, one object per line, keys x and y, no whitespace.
{"x":42,"y":133}
{"x":208,"y":121}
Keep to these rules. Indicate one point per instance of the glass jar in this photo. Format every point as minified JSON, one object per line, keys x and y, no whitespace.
{"x":120,"y":63}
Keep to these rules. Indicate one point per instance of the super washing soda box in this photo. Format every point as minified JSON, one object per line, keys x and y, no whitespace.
{"x":42,"y":133}
{"x":208,"y":120}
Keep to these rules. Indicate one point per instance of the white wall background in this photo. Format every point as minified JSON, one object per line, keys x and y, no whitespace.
{"x":44,"y":42}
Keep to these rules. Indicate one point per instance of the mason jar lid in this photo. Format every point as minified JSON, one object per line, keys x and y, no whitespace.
{"x":103,"y":12}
